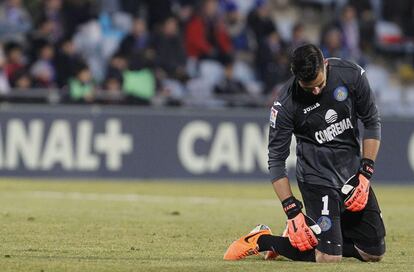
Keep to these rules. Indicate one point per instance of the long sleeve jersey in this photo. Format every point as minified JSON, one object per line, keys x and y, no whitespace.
{"x":325,"y":126}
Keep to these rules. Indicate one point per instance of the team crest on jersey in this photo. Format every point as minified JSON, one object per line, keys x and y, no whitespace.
{"x":340,"y":93}
{"x":273,"y":115}
{"x":325,"y":223}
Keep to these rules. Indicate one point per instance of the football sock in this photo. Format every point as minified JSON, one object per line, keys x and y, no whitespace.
{"x":283,"y":246}
{"x":349,"y":250}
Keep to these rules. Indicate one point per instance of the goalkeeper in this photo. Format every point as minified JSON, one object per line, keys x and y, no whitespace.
{"x":321,"y":105}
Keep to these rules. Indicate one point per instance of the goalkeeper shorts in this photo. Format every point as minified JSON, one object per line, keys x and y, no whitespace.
{"x":325,"y":205}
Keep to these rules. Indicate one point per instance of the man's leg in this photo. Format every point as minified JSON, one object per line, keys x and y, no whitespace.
{"x":260,"y":239}
{"x":375,"y":255}
{"x":322,"y":205}
{"x":349,"y":250}
{"x":372,"y":253}
{"x":364,"y":232}
{"x":282,"y":246}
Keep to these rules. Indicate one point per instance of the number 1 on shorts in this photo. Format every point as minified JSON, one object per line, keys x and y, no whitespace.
{"x":325,"y":210}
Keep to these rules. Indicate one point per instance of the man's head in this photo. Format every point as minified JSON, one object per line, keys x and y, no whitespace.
{"x":309,"y":67}
{"x":139,"y":27}
{"x":170,"y":27}
{"x":210,"y":8}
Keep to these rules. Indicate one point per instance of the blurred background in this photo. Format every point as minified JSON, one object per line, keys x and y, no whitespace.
{"x":214,"y":53}
{"x":124,"y":88}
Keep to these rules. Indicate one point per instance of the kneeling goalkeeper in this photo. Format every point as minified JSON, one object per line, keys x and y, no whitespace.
{"x":321,"y":105}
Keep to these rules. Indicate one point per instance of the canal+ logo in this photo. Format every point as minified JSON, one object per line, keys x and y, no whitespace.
{"x":62,"y":144}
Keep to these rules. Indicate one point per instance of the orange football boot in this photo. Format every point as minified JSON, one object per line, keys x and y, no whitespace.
{"x":246,"y":245}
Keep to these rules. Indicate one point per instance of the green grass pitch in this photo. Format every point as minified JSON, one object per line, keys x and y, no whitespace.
{"x":163,"y":226}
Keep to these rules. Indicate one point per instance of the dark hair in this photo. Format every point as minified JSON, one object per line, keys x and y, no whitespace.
{"x":10,"y":46}
{"x":18,"y":74}
{"x":306,"y":62}
{"x":65,"y":39}
{"x":80,"y":67}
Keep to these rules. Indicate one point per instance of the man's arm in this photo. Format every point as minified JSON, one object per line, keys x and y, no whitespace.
{"x":280,"y":134}
{"x":367,"y":112}
{"x":370,"y":148}
{"x":357,"y":187}
{"x":282,"y":188}
{"x":301,"y":229}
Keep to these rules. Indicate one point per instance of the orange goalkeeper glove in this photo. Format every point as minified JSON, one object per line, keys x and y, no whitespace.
{"x":301,"y":228}
{"x":356,"y":188}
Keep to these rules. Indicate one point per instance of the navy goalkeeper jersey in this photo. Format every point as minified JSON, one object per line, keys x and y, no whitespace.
{"x":325,"y":126}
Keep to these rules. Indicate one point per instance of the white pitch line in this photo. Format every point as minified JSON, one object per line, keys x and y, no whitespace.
{"x":138,"y":198}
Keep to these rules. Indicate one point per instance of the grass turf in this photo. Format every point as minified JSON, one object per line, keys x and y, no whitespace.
{"x":169,"y":226}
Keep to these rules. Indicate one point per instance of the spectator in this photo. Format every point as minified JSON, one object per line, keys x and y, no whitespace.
{"x":14,"y":59}
{"x":169,"y":48}
{"x":42,"y":34}
{"x":272,"y":61}
{"x":90,"y":42}
{"x":229,"y":85}
{"x":117,"y":65}
{"x":51,"y":11}
{"x":260,"y":22}
{"x":112,"y":85}
{"x":82,"y":87}
{"x":137,"y":46}
{"x":236,"y":27}
{"x":298,"y":36}
{"x":332,"y":45}
{"x":184,"y":11}
{"x":43,"y":70}
{"x":206,"y":35}
{"x":171,"y":63}
{"x":367,"y":14}
{"x":21,"y":80}
{"x":66,"y":61}
{"x":112,"y":88}
{"x":349,"y":27}
{"x":15,"y":21}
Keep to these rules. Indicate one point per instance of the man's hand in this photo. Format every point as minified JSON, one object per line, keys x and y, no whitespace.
{"x":356,"y":188}
{"x":300,"y":234}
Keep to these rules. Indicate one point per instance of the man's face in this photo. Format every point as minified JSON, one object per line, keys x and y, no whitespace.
{"x":315,"y":86}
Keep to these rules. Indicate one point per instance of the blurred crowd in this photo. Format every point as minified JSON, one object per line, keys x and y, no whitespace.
{"x":209,"y":53}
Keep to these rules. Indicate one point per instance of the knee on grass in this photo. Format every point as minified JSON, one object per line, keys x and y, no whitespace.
{"x":326,"y":258}
{"x":369,"y":257}
{"x":372,"y":253}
